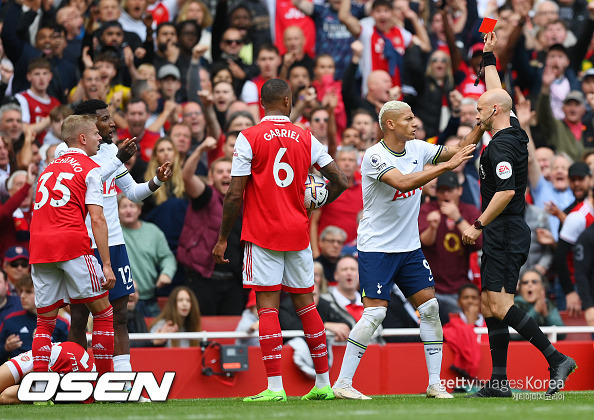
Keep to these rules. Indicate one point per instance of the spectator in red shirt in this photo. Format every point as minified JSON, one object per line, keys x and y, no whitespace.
{"x":137,"y":114}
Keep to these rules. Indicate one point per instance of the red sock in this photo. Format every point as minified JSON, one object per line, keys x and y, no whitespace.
{"x":315,"y":335}
{"x":42,"y":343}
{"x":271,"y":340}
{"x":103,"y":340}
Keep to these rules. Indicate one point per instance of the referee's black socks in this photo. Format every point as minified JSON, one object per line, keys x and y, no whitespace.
{"x":498,"y":343}
{"x":528,"y":328}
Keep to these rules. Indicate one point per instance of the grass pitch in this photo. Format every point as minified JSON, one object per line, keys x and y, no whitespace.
{"x":575,"y":405}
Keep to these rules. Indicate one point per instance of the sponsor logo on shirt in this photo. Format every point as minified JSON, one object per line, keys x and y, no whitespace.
{"x":503,"y":170}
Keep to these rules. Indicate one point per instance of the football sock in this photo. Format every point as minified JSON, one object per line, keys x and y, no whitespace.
{"x":359,"y":338}
{"x":121,"y":363}
{"x":271,"y":344}
{"x":528,"y":328}
{"x":103,"y":340}
{"x":432,"y":338}
{"x":498,"y":343}
{"x":42,"y":343}
{"x":315,"y":336}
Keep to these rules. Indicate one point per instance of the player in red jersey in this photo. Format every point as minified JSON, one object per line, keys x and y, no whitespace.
{"x":270,"y":164}
{"x":65,"y":357}
{"x":64,"y":268}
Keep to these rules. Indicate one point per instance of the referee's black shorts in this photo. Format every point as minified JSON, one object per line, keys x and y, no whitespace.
{"x":506,"y":242}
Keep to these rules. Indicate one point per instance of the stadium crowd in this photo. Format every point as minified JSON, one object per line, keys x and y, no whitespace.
{"x":184,"y":76}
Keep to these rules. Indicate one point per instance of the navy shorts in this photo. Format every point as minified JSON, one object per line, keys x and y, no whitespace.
{"x":379,"y":270}
{"x":121,"y":268}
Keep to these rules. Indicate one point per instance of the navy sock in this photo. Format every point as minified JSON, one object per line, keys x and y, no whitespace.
{"x":527,"y":327}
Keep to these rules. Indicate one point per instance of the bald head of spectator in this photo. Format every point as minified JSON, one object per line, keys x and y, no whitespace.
{"x":235,"y":107}
{"x":379,"y":84}
{"x":109,"y":10}
{"x":294,"y":41}
{"x":71,"y":19}
{"x":11,"y":121}
{"x":544,"y":158}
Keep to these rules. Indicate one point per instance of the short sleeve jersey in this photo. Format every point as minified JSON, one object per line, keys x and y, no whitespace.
{"x":66,"y":357}
{"x":576,"y":222}
{"x":390,"y":217}
{"x":504,"y":167}
{"x":277,"y":154}
{"x":64,"y":189}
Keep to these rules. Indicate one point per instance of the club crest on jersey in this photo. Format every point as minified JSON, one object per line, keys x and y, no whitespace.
{"x":503,"y":170}
{"x":379,"y":289}
{"x":375,"y":160}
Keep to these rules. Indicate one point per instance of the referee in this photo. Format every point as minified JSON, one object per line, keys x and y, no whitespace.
{"x":506,"y":242}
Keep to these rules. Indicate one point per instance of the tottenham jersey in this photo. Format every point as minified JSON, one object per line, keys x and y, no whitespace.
{"x":390,"y":217}
{"x":107,"y":160}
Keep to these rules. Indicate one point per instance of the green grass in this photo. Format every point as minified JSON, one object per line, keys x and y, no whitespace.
{"x":575,"y":405}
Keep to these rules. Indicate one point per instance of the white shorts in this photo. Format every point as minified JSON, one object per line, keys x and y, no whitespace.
{"x":60,"y":283}
{"x":266,"y":270}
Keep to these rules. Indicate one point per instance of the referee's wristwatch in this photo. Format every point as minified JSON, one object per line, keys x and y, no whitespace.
{"x":478,"y":225}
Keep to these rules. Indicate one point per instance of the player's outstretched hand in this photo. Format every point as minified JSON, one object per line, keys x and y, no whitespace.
{"x":127,"y":149}
{"x":462,"y":155}
{"x":219,"y":252}
{"x":470,"y":235}
{"x":573,"y":304}
{"x":164,"y":173}
{"x":109,"y":280}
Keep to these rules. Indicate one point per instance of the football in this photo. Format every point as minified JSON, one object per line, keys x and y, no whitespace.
{"x":316,"y":193}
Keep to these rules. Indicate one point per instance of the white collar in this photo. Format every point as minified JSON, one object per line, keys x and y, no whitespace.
{"x":343,"y":300}
{"x":276,"y":118}
{"x":74,"y":150}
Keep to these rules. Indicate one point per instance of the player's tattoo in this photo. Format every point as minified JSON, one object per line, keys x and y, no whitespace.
{"x":232,"y":204}
{"x":445,"y":150}
{"x":338,"y":181}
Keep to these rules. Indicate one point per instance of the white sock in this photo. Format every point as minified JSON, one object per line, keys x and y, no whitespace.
{"x":359,"y":338}
{"x":121,"y":363}
{"x":322,"y":379}
{"x":432,"y":337}
{"x":275,"y":383}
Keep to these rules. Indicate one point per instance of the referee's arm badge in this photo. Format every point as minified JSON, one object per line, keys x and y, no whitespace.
{"x":503,"y":170}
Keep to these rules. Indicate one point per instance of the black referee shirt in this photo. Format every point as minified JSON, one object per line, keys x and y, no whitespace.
{"x":504,"y":166}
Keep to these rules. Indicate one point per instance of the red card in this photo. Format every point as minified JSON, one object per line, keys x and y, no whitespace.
{"x":488,"y":25}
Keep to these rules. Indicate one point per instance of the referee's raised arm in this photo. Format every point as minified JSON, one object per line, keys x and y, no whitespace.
{"x":492,"y":80}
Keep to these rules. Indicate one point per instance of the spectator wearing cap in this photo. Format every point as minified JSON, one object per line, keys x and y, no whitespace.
{"x":9,"y":303}
{"x":441,"y":224}
{"x":16,"y":266}
{"x":571,"y":134}
{"x":169,"y":82}
{"x":580,"y":182}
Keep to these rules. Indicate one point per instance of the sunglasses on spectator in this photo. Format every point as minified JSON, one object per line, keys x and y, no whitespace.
{"x":233,"y":41}
{"x":439,"y":60}
{"x":23,"y":264}
{"x":320,"y":119}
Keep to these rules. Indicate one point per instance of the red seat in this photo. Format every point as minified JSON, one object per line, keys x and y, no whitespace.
{"x":570,"y":321}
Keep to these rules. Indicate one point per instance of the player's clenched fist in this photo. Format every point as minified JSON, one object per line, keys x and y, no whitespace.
{"x":109,"y":280}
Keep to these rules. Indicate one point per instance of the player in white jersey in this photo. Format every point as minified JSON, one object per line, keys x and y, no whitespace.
{"x":114,"y":173}
{"x":388,"y":241}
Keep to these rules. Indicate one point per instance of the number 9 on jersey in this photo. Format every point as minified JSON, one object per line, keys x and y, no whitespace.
{"x":316,"y":193}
